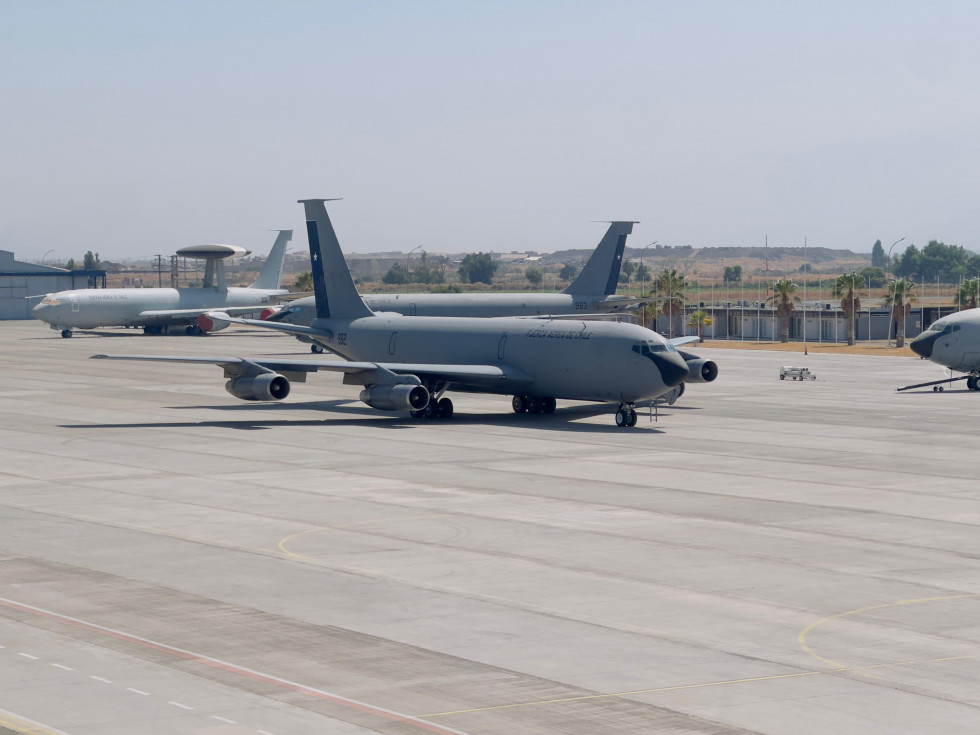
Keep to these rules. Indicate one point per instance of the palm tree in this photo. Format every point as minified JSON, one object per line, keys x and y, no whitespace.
{"x":699,"y":320}
{"x":899,"y":296}
{"x":304,"y":281}
{"x":848,"y":287}
{"x":670,"y":288}
{"x":783,"y":297}
{"x":968,"y":297}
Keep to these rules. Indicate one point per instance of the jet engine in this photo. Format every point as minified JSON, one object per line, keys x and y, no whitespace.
{"x":263,"y":387}
{"x":701,"y":370}
{"x":404,"y":397}
{"x":206,"y":324}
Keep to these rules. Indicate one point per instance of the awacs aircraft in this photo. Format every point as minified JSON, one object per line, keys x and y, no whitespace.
{"x":406,"y":363}
{"x":954,"y":342}
{"x":161,"y":310}
{"x":593,"y":292}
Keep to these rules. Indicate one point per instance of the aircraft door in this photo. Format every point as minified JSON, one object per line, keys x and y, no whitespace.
{"x":501,"y":346}
{"x":411,"y":309}
{"x":74,"y":303}
{"x":391,"y":343}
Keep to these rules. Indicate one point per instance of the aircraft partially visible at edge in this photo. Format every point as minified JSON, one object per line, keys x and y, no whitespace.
{"x":408,"y":363}
{"x":160,"y":310}
{"x":952,"y":341}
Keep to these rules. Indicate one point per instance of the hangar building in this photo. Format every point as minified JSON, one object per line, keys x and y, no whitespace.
{"x":20,"y":280}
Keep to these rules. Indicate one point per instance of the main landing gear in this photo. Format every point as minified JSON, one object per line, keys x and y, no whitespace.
{"x":437,"y":409}
{"x":66,"y":333}
{"x":316,"y":349}
{"x":626,"y":415}
{"x":533,"y":404}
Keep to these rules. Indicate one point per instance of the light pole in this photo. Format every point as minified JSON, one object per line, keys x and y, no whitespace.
{"x":889,"y":258}
{"x":644,"y":309}
{"x":44,"y":257}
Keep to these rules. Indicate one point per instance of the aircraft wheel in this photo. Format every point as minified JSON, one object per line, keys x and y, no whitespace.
{"x":632,"y":421}
{"x":66,"y":333}
{"x":533,"y":405}
{"x":623,"y":418}
{"x":971,"y":383}
{"x":317,"y":349}
{"x":445,"y":408}
{"x":548,"y":405}
{"x":519,"y":403}
{"x":431,"y":410}
{"x":782,"y":377}
{"x":192,"y":330}
{"x":417,"y":414}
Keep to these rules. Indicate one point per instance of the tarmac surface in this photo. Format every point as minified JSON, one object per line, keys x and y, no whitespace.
{"x":779,"y":557}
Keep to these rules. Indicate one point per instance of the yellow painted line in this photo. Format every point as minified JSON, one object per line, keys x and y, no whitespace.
{"x":702,"y":685}
{"x":801,"y":638}
{"x":25,"y":726}
{"x":282,"y":544}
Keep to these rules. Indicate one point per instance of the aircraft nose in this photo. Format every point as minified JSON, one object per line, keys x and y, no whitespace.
{"x":673,"y":368}
{"x":922,"y":345}
{"x":42,"y":312}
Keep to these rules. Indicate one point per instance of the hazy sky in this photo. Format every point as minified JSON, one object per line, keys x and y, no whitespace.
{"x":134,"y":128}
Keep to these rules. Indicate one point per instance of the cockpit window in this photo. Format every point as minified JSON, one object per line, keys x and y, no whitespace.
{"x":649,"y":348}
{"x":50,"y":301}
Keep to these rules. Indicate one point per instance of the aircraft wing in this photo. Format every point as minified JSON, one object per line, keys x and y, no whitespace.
{"x":370,"y":372}
{"x":678,"y":341}
{"x":192,"y":313}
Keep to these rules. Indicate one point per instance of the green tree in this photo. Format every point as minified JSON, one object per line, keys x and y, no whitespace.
{"x":643,"y":273}
{"x":848,"y":287}
{"x":626,"y":271}
{"x":70,"y":265}
{"x":907,"y":264}
{"x":699,"y":320}
{"x":534,"y":275}
{"x":568,"y":272}
{"x":91,"y":261}
{"x":899,"y":297}
{"x":968,"y":297}
{"x":732,"y":274}
{"x":878,"y":257}
{"x":783,"y":298}
{"x":425,"y":272}
{"x":304,"y":281}
{"x":397,"y":274}
{"x":874,"y":277}
{"x":478,"y":268}
{"x":941,"y":262}
{"x":669,"y":288}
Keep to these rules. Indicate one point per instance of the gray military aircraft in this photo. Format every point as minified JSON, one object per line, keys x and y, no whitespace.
{"x":161,"y":310}
{"x":954,"y":342}
{"x":406,"y":363}
{"x":592,"y":292}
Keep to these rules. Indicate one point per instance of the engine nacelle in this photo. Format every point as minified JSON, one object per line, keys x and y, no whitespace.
{"x":405,"y":397}
{"x":673,"y":394}
{"x":701,"y":371}
{"x":264,"y":387}
{"x":207,"y":324}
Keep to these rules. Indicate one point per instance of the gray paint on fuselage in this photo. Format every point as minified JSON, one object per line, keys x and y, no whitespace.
{"x":952,"y":341}
{"x":599,"y":363}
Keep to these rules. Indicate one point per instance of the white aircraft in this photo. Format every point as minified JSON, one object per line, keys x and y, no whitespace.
{"x":954,"y":342}
{"x":406,"y":363}
{"x":161,"y":310}
{"x":592,"y":292}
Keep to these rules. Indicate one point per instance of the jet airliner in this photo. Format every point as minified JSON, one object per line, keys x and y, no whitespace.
{"x":408,"y":363}
{"x":954,"y":342}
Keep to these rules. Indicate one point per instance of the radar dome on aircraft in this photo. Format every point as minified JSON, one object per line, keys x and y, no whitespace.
{"x":213,"y":252}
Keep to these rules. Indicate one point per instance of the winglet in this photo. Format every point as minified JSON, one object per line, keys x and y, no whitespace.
{"x":600,"y":276}
{"x":333,"y":286}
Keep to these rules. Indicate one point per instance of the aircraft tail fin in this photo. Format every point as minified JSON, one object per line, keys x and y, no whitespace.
{"x":271,"y":275}
{"x":333,"y":286}
{"x":600,"y":275}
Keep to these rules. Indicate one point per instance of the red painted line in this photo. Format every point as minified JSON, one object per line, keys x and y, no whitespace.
{"x":239,"y":670}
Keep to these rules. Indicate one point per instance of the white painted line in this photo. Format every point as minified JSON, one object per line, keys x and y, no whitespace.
{"x":63,"y":667}
{"x":263,"y":732}
{"x":138,"y":691}
{"x":104,"y":681}
{"x":27,"y":655}
{"x":182,"y":706}
{"x":223,"y":719}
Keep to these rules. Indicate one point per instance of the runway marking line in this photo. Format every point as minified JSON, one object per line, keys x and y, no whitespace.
{"x":218,"y":664}
{"x":26,"y":726}
{"x":182,"y":706}
{"x":801,"y":638}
